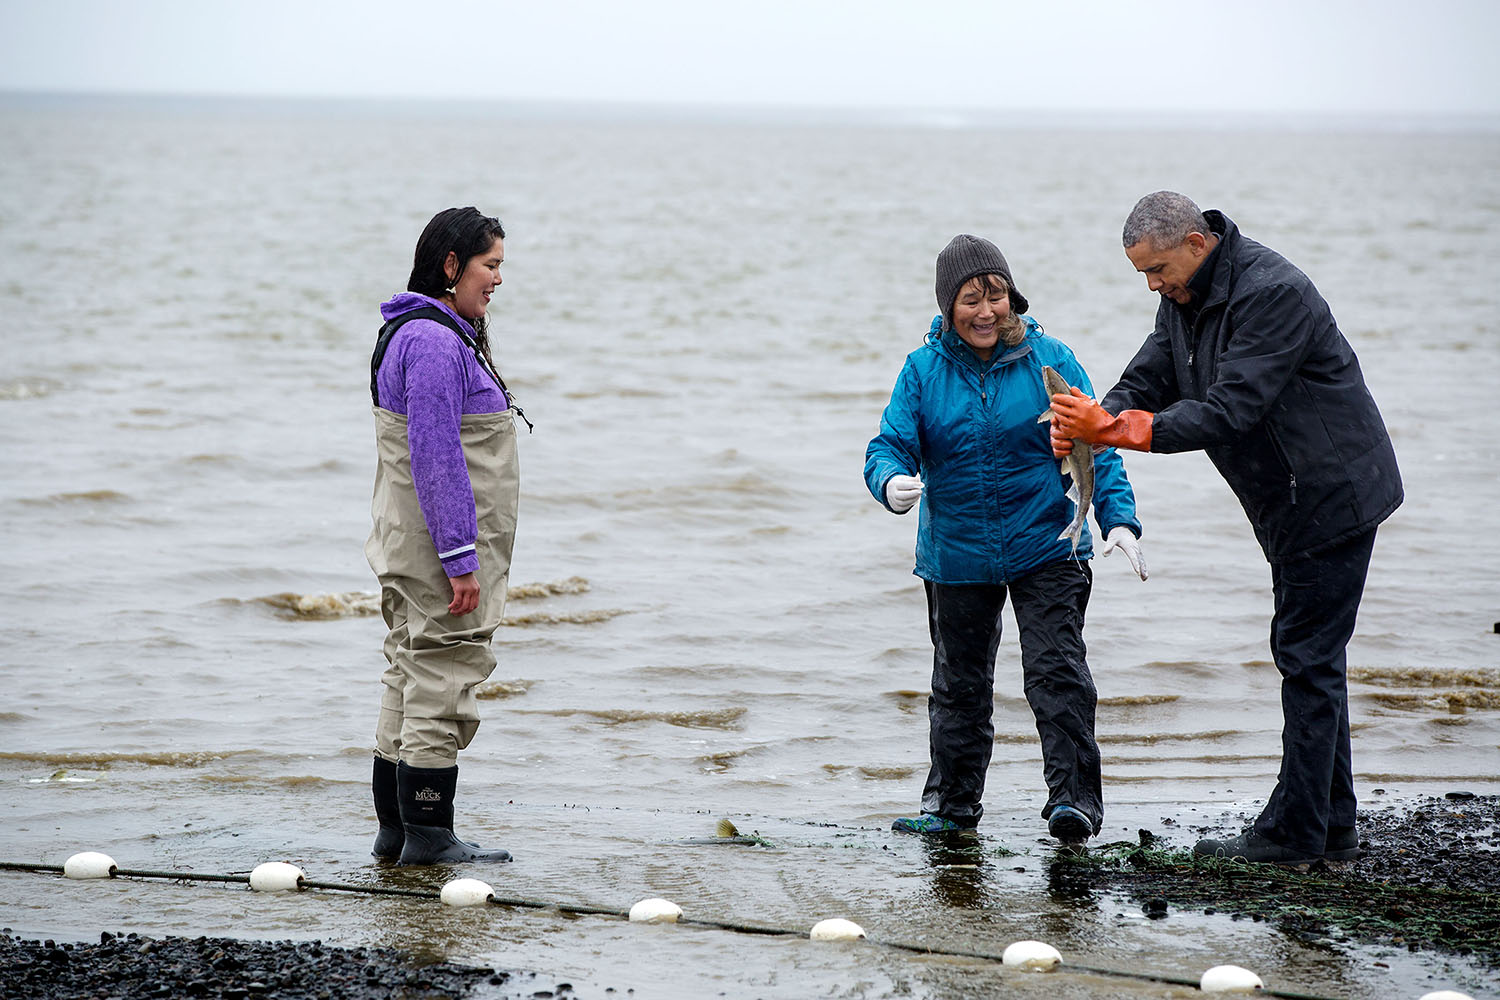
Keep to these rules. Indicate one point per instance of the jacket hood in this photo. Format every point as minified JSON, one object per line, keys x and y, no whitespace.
{"x":405,"y":302}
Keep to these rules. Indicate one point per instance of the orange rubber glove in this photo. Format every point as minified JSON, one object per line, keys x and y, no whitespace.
{"x":1078,"y":416}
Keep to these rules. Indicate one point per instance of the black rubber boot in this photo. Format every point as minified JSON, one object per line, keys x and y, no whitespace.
{"x":390,"y":837}
{"x":425,"y":795}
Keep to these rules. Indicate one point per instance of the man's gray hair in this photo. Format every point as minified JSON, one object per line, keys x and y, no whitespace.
{"x":1164,"y":218}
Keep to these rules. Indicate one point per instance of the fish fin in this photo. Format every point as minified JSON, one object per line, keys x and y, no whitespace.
{"x":1073,"y":493}
{"x":1047,"y":415}
{"x":724,"y":828}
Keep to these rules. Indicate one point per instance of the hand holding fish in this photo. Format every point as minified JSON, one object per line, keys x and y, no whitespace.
{"x":1062,"y":445}
{"x":1076,"y":416}
{"x":1122,"y":538}
{"x":1077,"y":467}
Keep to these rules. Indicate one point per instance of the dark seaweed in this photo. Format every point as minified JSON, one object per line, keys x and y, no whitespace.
{"x":1428,"y":879}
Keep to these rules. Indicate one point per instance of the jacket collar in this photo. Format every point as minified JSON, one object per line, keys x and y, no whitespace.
{"x":950,"y":345}
{"x":1228,"y":248}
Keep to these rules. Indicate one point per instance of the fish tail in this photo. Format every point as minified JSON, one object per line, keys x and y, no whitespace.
{"x":1074,"y":531}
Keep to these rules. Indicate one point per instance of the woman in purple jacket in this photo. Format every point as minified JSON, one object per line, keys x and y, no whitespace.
{"x":444,"y":512}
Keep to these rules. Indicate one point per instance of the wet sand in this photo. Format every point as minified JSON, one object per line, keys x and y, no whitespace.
{"x":1428,"y":881}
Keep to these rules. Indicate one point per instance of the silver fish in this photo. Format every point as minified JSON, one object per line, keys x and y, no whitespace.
{"x":1079,"y":465}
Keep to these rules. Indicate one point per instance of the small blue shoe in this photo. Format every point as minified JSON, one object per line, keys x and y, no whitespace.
{"x":1069,"y":826}
{"x":927,"y":824}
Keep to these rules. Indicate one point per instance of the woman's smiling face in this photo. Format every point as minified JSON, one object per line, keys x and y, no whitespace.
{"x":481,"y":276}
{"x":981,"y":306}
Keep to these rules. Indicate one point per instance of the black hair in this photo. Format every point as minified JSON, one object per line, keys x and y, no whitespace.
{"x":466,"y":233}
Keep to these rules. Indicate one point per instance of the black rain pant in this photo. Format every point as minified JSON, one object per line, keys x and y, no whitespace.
{"x":1317,"y":600}
{"x":964,"y":621}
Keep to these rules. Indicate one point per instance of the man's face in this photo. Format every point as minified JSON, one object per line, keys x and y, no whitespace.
{"x":1167,"y":270}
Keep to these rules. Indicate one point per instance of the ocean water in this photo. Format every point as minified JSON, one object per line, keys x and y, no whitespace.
{"x":712,"y":618}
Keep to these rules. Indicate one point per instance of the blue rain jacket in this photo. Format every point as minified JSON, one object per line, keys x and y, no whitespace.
{"x":995,"y":500}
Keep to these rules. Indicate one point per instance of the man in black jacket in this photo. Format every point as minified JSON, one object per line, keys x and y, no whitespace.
{"x":1247,"y":364}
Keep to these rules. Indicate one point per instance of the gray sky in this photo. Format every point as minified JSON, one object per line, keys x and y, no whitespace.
{"x":1431,"y":57}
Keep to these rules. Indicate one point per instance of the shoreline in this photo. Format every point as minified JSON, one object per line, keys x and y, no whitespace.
{"x":1428,"y":880}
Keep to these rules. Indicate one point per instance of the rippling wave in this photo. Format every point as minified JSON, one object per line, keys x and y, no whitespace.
{"x":563,"y":617}
{"x":495,"y":690}
{"x":28,"y":387}
{"x":1442,"y":701}
{"x":363,"y":603}
{"x":1126,"y":700}
{"x":532,"y":591}
{"x":83,"y":496}
{"x":1151,"y":739}
{"x":723,"y":760}
{"x":712,"y":718}
{"x":1426,"y":677}
{"x":286,"y":781}
{"x":320,"y":607}
{"x":181,"y":758}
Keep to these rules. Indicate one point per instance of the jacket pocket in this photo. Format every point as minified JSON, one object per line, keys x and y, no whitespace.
{"x":1286,"y":464}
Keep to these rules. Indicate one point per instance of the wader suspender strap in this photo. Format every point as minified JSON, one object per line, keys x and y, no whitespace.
{"x":437,"y":315}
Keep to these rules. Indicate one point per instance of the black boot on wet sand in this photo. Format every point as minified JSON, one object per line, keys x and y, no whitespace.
{"x":426,"y":798}
{"x":390,"y":837}
{"x":1251,"y":846}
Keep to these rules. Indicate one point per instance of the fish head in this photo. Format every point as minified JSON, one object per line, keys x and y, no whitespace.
{"x":1054,"y":383}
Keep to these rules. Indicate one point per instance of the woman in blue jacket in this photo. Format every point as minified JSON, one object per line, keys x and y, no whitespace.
{"x":961,"y":433}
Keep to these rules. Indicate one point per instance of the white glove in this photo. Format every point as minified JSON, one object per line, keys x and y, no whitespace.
{"x":1124,"y":539}
{"x":902,"y":493}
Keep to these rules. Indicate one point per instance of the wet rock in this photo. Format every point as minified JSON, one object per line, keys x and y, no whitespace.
{"x":1428,"y":878}
{"x":138,"y":968}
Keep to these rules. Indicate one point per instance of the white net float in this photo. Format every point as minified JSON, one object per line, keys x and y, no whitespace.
{"x":89,"y":864}
{"x":1037,"y":956}
{"x":655,"y":911}
{"x":466,"y":892}
{"x":276,"y":876}
{"x":836,"y":929}
{"x":1230,"y":979}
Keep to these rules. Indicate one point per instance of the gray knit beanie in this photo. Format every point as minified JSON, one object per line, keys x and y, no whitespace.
{"x":968,"y":257}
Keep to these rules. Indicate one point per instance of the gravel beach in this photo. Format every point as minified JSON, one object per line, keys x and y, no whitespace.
{"x":1428,"y":878}
{"x":125,"y":967}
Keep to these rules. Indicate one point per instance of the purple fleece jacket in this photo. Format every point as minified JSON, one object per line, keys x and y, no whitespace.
{"x":432,"y":377}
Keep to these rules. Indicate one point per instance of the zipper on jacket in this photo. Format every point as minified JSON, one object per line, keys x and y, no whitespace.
{"x":1291,"y":474}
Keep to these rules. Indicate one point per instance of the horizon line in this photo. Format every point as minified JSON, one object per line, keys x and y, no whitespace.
{"x":918,"y":116}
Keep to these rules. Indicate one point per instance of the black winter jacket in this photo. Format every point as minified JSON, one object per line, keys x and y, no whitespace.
{"x":1263,"y":381}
